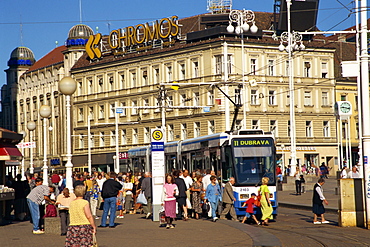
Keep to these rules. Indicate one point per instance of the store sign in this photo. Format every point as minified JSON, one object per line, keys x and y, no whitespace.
{"x":26,"y":145}
{"x":301,"y":148}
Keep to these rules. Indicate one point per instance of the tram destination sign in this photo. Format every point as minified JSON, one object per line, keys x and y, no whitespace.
{"x":252,"y":142}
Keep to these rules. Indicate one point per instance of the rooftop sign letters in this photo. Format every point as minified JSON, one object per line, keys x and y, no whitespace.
{"x":137,"y":38}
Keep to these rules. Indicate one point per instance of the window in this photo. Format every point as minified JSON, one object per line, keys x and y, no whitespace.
{"x":324,"y":98}
{"x":288,"y":128}
{"x":101,"y":139}
{"x":123,"y":83}
{"x":134,"y":110}
{"x":324,"y":70}
{"x":195,"y":69}
{"x":123,"y":137}
{"x":111,"y":83}
{"x":253,"y":66}
{"x":147,"y":138}
{"x":80,"y":114}
{"x":146,"y":104}
{"x":196,"y":99}
{"x":133,"y":79}
{"x":219,"y":62}
{"x":171,"y":132}
{"x":113,"y":138}
{"x":271,"y":70}
{"x":343,"y":97}
{"x":326,"y":128}
{"x":273,"y":127}
{"x":158,"y":105}
{"x":112,"y":110}
{"x":91,"y":112}
{"x":272,"y":98}
{"x":238,"y":124}
{"x":182,"y":71}
{"x":91,"y":140}
{"x":145,"y":77}
{"x":101,"y":84}
{"x":196,"y":129}
{"x":255,"y":124}
{"x":156,"y":75}
{"x":81,"y":141}
{"x":79,"y":88}
{"x":135,"y":136}
{"x":287,"y":68}
{"x":210,"y":97}
{"x":90,"y":89}
{"x":101,"y":111}
{"x":254,"y":97}
{"x":211,"y":127}
{"x":184,"y":133}
{"x":307,"y":98}
{"x":357,"y":131}
{"x":169,"y":102}
{"x":308,"y":128}
{"x":182,"y":99}
{"x":307,"y":69}
{"x":169,"y":73}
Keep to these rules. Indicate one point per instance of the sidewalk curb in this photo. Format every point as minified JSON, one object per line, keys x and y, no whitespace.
{"x":306,"y":207}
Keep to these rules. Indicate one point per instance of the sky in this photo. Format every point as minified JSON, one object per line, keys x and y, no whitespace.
{"x":39,"y":24}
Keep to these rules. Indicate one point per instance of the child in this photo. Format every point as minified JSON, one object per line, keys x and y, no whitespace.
{"x":303,"y":182}
{"x":250,"y":211}
{"x":120,"y":203}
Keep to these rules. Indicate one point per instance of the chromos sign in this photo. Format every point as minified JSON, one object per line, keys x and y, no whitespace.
{"x":144,"y":35}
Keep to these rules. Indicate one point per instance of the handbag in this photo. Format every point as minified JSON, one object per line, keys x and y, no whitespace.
{"x":257,"y":202}
{"x":141,"y":199}
{"x":95,"y":242}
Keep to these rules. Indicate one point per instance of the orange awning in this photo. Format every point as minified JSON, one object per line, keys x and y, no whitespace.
{"x":9,"y":152}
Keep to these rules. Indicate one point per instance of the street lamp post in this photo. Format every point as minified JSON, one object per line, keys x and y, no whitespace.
{"x":24,"y":134}
{"x":67,"y":86}
{"x":241,"y":18}
{"x":294,"y":41}
{"x":31,"y":126}
{"x":45,"y":112}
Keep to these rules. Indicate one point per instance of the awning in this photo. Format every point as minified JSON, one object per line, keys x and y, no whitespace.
{"x":9,"y":152}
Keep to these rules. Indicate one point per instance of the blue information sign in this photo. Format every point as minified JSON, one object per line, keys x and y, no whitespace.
{"x":157,"y":146}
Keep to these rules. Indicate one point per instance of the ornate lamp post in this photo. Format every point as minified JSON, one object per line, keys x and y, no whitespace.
{"x":31,"y":126}
{"x":67,"y":86}
{"x":294,"y":42}
{"x":242,"y":20}
{"x":45,"y":112}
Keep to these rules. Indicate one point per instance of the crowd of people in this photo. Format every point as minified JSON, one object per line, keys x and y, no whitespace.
{"x":184,"y":196}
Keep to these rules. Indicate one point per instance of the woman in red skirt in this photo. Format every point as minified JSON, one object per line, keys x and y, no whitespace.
{"x":170,"y":190}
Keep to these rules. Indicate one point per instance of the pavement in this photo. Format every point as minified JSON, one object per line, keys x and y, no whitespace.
{"x":293,"y":220}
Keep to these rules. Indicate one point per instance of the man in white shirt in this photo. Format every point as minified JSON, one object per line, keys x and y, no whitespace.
{"x":188,"y":180}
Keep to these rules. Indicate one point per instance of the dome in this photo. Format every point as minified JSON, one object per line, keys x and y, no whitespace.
{"x":21,"y":56}
{"x":22,"y":52}
{"x":80,"y":31}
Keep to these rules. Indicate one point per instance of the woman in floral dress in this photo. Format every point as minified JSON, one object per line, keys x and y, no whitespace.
{"x":197,"y":189}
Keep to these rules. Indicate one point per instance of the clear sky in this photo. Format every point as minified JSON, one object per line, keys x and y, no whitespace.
{"x":38,"y":24}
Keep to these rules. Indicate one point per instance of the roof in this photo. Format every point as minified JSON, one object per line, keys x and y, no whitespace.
{"x":53,"y":57}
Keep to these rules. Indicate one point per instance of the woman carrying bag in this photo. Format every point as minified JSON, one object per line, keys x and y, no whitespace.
{"x":266,"y":206}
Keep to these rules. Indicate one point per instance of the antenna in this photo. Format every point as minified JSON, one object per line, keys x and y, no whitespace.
{"x":21,"y":30}
{"x":80,"y":11}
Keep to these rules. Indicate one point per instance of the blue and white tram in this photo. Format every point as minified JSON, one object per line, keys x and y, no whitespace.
{"x":246,"y":155}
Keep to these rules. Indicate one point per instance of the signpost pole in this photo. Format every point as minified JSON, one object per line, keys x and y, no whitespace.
{"x":158,"y":170}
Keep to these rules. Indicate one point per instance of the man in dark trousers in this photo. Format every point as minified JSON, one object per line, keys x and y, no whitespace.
{"x":109,"y":194}
{"x":228,"y":200}
{"x":146,"y":187}
{"x":181,"y":198}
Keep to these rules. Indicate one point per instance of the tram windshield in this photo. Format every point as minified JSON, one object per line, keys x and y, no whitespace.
{"x":253,"y":159}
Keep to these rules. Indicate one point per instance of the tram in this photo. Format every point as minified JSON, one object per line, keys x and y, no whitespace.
{"x":246,"y":155}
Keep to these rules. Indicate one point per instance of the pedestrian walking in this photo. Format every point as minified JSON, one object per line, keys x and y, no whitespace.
{"x":196,"y":189}
{"x":213,"y":195}
{"x":266,"y":206}
{"x":297,"y":176}
{"x":228,"y":200}
{"x":170,"y":191}
{"x":82,"y":226}
{"x":63,"y":201}
{"x":317,"y":203}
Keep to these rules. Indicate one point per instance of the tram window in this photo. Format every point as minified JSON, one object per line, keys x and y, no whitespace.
{"x":227,"y":169}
